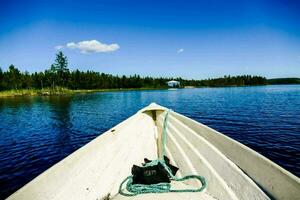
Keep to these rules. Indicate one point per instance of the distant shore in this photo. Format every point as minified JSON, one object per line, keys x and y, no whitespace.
{"x":66,"y":91}
{"x":60,"y":80}
{"x":62,"y":91}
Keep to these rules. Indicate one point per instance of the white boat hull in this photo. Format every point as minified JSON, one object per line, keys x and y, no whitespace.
{"x":95,"y":171}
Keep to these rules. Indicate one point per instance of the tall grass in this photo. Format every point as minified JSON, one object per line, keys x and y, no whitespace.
{"x":33,"y":92}
{"x":60,"y":91}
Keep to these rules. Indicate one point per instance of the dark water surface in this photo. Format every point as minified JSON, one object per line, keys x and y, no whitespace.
{"x":37,"y":132}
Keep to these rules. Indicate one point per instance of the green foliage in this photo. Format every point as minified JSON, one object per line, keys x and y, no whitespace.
{"x":244,"y":80}
{"x":1,"y":80}
{"x":284,"y":81}
{"x":14,"y":76}
{"x":59,"y":76}
{"x":60,"y":67}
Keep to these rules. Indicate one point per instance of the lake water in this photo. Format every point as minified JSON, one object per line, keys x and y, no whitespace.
{"x":37,"y":132}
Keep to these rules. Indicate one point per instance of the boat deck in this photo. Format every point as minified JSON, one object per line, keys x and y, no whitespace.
{"x":96,"y":170}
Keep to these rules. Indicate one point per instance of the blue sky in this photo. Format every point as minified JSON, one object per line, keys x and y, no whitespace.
{"x":191,"y":39}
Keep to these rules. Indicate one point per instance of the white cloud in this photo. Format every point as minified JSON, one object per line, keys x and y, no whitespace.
{"x":92,"y":46}
{"x":59,"y":47}
{"x":180,"y":50}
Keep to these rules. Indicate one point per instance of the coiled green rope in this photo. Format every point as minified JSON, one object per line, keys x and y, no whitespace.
{"x":135,"y":189}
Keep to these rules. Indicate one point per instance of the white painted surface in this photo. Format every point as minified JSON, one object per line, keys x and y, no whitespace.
{"x":173,"y":83}
{"x":98,"y":168}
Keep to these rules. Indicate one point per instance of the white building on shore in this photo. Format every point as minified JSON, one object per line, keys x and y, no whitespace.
{"x":173,"y":83}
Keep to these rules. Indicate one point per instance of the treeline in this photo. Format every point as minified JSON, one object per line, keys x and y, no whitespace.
{"x":244,"y":80}
{"x":14,"y":79}
{"x":284,"y":81}
{"x":60,"y":75}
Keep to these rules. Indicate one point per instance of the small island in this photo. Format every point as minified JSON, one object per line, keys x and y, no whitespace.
{"x":59,"y":80}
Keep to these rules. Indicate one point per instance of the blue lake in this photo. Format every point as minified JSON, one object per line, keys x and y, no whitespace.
{"x":37,"y":132}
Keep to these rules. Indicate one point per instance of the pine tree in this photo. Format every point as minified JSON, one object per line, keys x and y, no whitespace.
{"x":14,"y":77}
{"x":61,"y":67}
{"x":53,"y":73}
{"x":1,"y":80}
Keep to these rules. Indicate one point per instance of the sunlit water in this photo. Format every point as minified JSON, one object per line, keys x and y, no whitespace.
{"x":37,"y":132}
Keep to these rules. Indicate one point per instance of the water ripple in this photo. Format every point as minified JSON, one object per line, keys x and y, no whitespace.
{"x":37,"y":132}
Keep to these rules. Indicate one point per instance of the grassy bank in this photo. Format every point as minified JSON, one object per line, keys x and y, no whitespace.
{"x":60,"y":91}
{"x":65,"y":91}
{"x":33,"y":92}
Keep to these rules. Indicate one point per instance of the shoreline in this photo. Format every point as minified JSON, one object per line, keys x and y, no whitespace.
{"x":62,"y":91}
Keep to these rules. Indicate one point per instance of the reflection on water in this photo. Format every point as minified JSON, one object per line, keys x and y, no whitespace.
{"x":37,"y":132}
{"x":16,"y":103}
{"x":60,"y":108}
